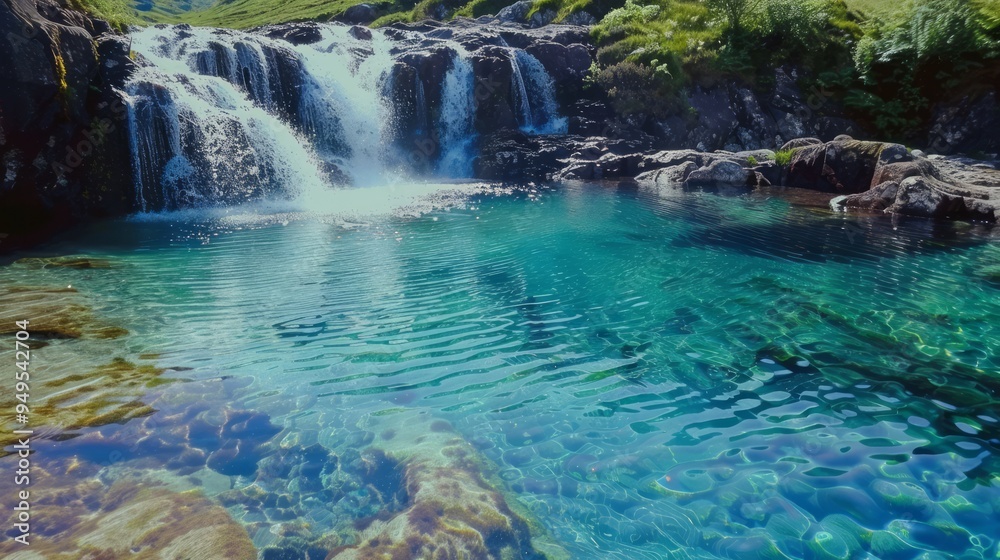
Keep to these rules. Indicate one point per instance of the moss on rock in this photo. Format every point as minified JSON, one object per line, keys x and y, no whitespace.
{"x":455,"y":508}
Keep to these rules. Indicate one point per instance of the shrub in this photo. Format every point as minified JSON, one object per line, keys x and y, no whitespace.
{"x":735,"y":12}
{"x":783,"y":157}
{"x":797,"y":24}
{"x":634,"y":88}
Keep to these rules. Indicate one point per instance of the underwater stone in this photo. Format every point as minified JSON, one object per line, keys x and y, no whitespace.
{"x":79,"y":263}
{"x":452,"y":510}
{"x":80,"y":517}
{"x":56,"y":313}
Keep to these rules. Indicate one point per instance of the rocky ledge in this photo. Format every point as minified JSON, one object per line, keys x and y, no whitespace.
{"x":872,"y":176}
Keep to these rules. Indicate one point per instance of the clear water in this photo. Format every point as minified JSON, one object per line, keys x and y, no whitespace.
{"x":656,"y":374}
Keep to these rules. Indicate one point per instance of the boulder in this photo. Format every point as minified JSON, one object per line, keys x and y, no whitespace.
{"x":917,"y":196}
{"x":841,"y":166}
{"x":360,"y":33}
{"x":516,"y":12}
{"x":719,"y":173}
{"x":305,"y":33}
{"x":359,"y":14}
{"x":879,"y":197}
{"x":896,"y":172}
{"x":667,"y":176}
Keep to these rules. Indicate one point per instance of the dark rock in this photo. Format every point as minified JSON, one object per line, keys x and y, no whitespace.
{"x":716,"y":119}
{"x":361,"y":33}
{"x":879,"y":197}
{"x":511,"y":155}
{"x":284,"y":81}
{"x":968,"y":125}
{"x":305,"y":33}
{"x":62,"y":122}
{"x":493,"y":73}
{"x":580,"y":18}
{"x":840,"y":166}
{"x":563,"y":63}
{"x":768,"y":173}
{"x":359,"y":13}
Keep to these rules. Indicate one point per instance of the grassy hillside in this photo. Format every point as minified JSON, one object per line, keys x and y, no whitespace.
{"x":252,"y":13}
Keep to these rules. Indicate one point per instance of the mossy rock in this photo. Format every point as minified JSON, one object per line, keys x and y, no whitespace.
{"x":75,"y":516}
{"x":455,"y":506}
{"x":110,"y":393}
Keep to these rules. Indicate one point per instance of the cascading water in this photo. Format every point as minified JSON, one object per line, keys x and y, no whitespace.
{"x":543,"y":112}
{"x":458,"y":111}
{"x":345,"y":101}
{"x":225,"y":117}
{"x":198,"y":139}
{"x":534,"y":95}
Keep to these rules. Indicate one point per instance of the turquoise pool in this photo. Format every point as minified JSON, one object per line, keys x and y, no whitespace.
{"x":648,"y":373}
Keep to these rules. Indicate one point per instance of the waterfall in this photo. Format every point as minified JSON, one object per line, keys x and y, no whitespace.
{"x":216,"y":142}
{"x":534,"y":94}
{"x":346,"y":103}
{"x":225,"y":117}
{"x":457,"y":123}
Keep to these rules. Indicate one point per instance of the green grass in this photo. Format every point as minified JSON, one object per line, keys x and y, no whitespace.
{"x":118,"y":13}
{"x":879,"y":8}
{"x":242,"y":14}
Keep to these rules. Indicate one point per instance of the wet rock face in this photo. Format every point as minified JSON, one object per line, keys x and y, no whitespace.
{"x":63,"y":139}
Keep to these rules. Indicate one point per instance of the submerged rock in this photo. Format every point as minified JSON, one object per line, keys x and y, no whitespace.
{"x":54,"y":313}
{"x":74,"y":515}
{"x":80,"y":263}
{"x":108,"y":394}
{"x":453,"y":508}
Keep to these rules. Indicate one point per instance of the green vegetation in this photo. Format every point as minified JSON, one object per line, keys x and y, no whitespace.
{"x":783,"y":157}
{"x":118,"y":13}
